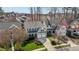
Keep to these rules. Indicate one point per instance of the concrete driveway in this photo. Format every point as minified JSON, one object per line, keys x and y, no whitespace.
{"x":48,"y":45}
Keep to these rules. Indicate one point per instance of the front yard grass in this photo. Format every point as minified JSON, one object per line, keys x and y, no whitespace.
{"x":2,"y":49}
{"x":51,"y":38}
{"x":31,"y":46}
{"x":44,"y":49}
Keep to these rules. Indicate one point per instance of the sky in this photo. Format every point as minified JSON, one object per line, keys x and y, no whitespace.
{"x":23,"y":9}
{"x":16,"y":9}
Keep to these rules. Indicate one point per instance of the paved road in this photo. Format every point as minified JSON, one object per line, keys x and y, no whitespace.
{"x":76,"y":41}
{"x":74,"y":48}
{"x":71,"y":43}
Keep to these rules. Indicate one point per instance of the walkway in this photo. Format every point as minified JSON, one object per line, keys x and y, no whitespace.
{"x":48,"y":45}
{"x":40,"y":49}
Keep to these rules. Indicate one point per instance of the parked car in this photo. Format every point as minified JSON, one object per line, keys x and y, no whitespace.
{"x":73,"y":29}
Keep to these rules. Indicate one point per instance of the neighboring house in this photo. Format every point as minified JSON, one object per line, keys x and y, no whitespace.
{"x":2,"y":18}
{"x":5,"y":26}
{"x":74,"y":22}
{"x":73,"y":29}
{"x":8,"y":17}
{"x":51,"y":25}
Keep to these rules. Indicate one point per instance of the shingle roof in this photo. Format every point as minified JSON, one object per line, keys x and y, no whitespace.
{"x":74,"y":21}
{"x":7,"y":25}
{"x":33,"y":24}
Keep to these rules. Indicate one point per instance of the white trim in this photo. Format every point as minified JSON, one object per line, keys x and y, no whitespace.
{"x":13,"y":26}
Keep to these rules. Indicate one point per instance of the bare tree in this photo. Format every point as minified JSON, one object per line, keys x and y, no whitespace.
{"x":4,"y":40}
{"x":75,"y":10}
{"x":67,"y":11}
{"x":38,"y":13}
{"x":31,"y":11}
{"x":55,"y":11}
{"x":35,"y":13}
{"x":18,"y":37}
{"x":63,"y":9}
{"x":1,"y":10}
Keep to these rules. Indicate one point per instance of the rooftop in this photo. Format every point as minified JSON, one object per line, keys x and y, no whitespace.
{"x":33,"y":24}
{"x":7,"y":25}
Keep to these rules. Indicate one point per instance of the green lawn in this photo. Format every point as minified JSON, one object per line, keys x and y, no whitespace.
{"x":2,"y":49}
{"x":44,"y":50}
{"x":51,"y":38}
{"x":31,"y":46}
